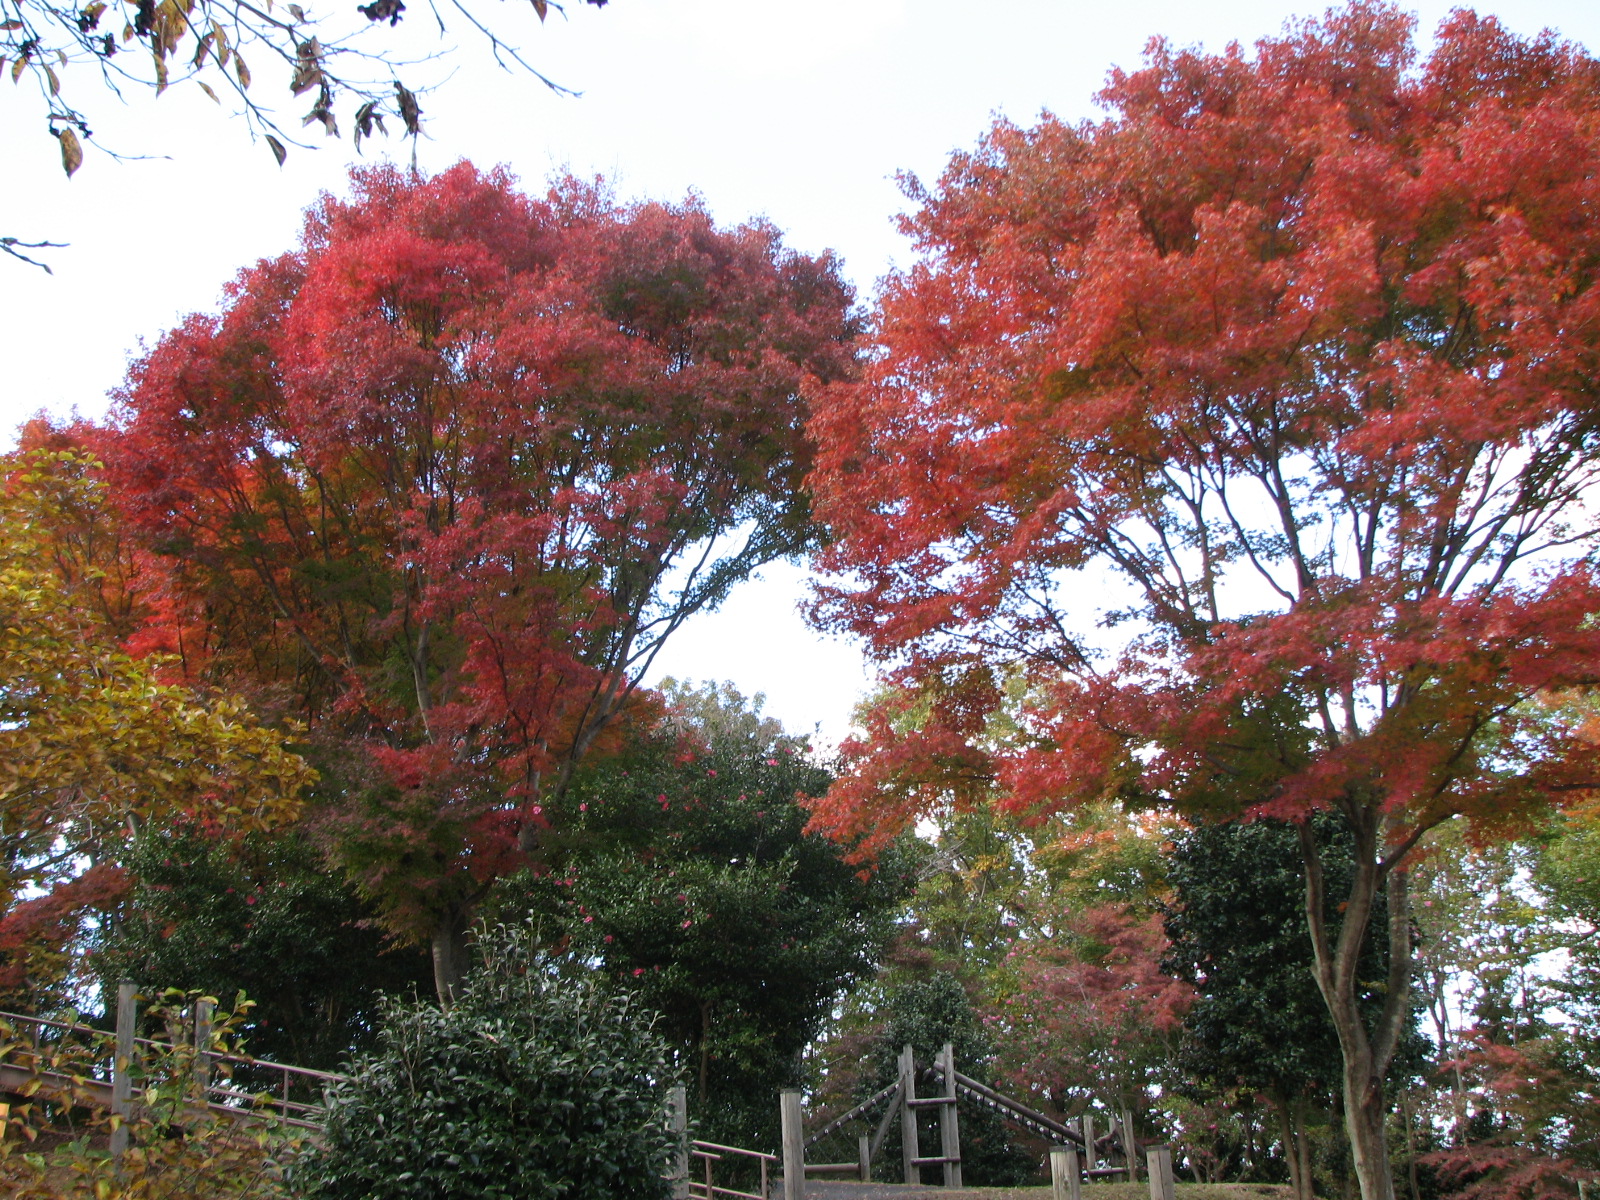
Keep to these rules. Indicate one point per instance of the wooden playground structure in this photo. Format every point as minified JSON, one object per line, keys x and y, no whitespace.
{"x":1082,"y":1153}
{"x":1082,"y":1150}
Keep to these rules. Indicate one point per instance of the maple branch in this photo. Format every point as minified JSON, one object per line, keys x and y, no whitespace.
{"x":15,"y":246}
{"x":1246,"y":544}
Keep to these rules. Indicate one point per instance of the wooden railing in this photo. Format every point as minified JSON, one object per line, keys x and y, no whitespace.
{"x":114,"y":1075}
{"x":710,"y":1153}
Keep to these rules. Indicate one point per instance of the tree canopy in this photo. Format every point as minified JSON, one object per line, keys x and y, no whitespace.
{"x":445,"y":480}
{"x":679,"y":868}
{"x":1283,"y":377}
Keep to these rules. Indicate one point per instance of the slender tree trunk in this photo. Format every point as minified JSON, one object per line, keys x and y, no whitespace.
{"x":1411,"y":1145}
{"x":705,"y":1048}
{"x":449,"y":945}
{"x":1366,"y":1054}
{"x":1296,"y":1150}
{"x":1304,"y":1147}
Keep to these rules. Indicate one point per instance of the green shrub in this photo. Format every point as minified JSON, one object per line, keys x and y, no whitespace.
{"x":533,"y":1085}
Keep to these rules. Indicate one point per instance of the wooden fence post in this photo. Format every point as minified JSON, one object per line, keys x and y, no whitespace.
{"x":1065,"y":1183}
{"x":949,"y":1124}
{"x":678,"y":1122}
{"x":203,"y":1012}
{"x":1086,"y":1123}
{"x":908,"y":1117}
{"x":121,"y":1066}
{"x":794,"y":1154}
{"x":1159,"y":1160}
{"x":1130,"y":1145}
{"x":864,"y":1156}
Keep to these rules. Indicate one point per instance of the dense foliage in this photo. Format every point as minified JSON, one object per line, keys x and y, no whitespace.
{"x":535,"y":1084}
{"x":96,"y":743}
{"x":683,"y":872}
{"x":259,"y":916}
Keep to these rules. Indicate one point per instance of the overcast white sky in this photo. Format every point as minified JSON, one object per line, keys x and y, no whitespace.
{"x":801,"y":113}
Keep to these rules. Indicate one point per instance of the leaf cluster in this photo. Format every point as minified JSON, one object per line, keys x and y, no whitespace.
{"x":534,"y":1083}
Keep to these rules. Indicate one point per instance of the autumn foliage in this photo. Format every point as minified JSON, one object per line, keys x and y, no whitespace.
{"x":1245,"y":434}
{"x":1091,"y":1012}
{"x":446,"y":477}
{"x":94,"y":744}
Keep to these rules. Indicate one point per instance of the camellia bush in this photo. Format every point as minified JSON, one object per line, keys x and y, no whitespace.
{"x":532,"y":1084}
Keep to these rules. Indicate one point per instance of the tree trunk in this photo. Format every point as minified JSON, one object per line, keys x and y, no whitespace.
{"x":1366,"y":1053}
{"x":705,"y":1049}
{"x":449,"y":944}
{"x":1296,"y":1148}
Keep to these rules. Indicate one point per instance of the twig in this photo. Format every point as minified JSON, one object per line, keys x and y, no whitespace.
{"x":15,"y":247}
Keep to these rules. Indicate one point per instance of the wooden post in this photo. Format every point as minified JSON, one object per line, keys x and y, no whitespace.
{"x":1086,"y":1123}
{"x":121,"y":1065}
{"x":864,"y":1157}
{"x":949,"y":1126}
{"x":885,"y":1123}
{"x":678,"y":1123}
{"x":794,"y":1142}
{"x":203,"y":1013}
{"x":908,"y":1117}
{"x":1159,"y":1160}
{"x":1130,"y":1145}
{"x":1065,"y":1183}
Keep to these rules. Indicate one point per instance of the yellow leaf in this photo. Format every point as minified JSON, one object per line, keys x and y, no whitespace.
{"x":278,"y":152}
{"x":206,"y":88}
{"x":242,"y":71}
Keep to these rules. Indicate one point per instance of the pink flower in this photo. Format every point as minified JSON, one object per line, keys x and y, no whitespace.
{"x":638,"y":971}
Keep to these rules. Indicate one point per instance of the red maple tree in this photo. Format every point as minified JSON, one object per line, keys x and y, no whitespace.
{"x":1246,"y":441}
{"x":447,"y":477}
